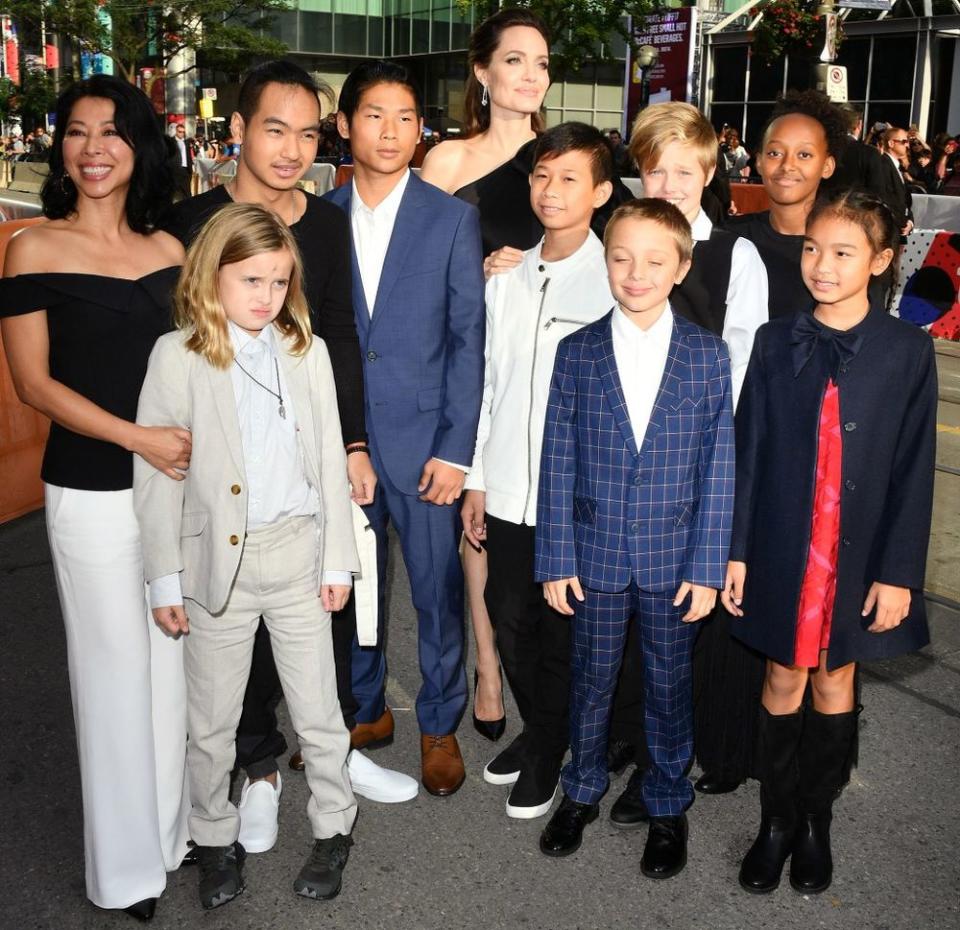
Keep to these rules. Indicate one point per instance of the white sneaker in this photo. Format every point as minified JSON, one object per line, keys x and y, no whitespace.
{"x":259,"y":804}
{"x":371,"y":781}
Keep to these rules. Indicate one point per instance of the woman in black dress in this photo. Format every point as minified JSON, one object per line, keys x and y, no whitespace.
{"x":83,"y":298}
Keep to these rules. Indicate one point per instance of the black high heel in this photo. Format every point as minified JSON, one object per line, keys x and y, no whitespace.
{"x":489,"y":729}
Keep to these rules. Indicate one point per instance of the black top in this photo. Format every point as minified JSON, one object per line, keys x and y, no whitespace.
{"x":101,"y":332}
{"x":503,"y":200}
{"x":323,"y":236}
{"x":781,"y":257}
{"x":702,"y":295}
{"x":887,"y":379}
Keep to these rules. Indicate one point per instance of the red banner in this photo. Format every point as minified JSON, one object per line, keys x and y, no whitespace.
{"x":671,"y":34}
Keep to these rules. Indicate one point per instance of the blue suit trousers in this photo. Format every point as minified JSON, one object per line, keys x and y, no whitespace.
{"x":599,"y":635}
{"x":429,"y":540}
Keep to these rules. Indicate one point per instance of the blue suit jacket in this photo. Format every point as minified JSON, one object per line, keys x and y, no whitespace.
{"x":656,"y":509}
{"x":423,"y":345}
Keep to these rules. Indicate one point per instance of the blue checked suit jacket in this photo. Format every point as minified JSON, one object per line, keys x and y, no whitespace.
{"x":613,"y":507}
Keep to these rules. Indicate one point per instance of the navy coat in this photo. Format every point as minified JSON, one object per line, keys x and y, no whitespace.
{"x":888,"y":411}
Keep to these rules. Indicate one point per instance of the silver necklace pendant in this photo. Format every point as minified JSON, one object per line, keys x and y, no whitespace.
{"x":282,"y":411}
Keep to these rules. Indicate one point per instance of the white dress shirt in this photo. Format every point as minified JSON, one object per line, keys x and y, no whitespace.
{"x":182,"y":148}
{"x":372,"y":230}
{"x":747,"y":293}
{"x":277,"y":487}
{"x":641,"y":357}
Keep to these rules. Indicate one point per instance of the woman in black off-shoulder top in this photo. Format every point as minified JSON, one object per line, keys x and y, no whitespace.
{"x":82,"y":301}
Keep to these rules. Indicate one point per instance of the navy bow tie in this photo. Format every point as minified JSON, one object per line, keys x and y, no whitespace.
{"x":806,"y":333}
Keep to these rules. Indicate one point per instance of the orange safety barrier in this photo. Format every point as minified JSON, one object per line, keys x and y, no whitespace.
{"x":23,"y":431}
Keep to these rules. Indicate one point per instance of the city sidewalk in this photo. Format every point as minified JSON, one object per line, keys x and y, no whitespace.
{"x":445,"y":864}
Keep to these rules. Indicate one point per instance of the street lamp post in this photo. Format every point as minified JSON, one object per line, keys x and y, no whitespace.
{"x":647,"y":56}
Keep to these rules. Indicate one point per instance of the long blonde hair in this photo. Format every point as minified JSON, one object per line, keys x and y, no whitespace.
{"x":237,"y":232}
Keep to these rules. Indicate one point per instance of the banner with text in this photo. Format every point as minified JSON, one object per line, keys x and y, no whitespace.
{"x":671,"y":34}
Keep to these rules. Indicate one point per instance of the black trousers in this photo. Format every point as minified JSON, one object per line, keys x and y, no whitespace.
{"x":259,"y":741}
{"x":533,"y":640}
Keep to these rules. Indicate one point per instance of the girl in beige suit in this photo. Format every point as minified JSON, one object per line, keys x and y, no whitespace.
{"x":260,"y":525}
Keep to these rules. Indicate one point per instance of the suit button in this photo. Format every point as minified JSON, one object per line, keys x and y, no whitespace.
{"x":235,"y":489}
{"x":638,"y":479}
{"x":849,"y":485}
{"x":850,"y":427}
{"x":846,"y":540}
{"x":634,"y":527}
{"x":372,"y":356}
{"x":234,"y":539}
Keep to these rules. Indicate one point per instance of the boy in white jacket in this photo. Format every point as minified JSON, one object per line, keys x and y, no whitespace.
{"x":559,"y":286}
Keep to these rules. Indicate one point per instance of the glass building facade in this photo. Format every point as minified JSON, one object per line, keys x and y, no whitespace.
{"x":329,"y":37}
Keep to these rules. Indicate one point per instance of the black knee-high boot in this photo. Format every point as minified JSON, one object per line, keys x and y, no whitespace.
{"x":777,"y":744}
{"x":825,"y":751}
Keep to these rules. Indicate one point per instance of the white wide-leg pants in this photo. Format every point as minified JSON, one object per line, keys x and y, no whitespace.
{"x":129,"y":698}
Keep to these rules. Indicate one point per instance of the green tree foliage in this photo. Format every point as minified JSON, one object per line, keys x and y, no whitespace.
{"x":580,"y":29}
{"x":226,"y":34}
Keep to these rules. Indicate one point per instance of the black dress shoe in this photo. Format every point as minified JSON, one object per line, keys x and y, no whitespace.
{"x":564,"y":833}
{"x":665,"y":854}
{"x":620,"y":754}
{"x":489,"y":729}
{"x":708,"y":783}
{"x":142,"y":910}
{"x":629,"y":810}
{"x":192,"y":857}
{"x":762,"y":865}
{"x":811,"y":865}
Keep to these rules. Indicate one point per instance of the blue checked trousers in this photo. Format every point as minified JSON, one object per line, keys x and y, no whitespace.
{"x":599,"y":634}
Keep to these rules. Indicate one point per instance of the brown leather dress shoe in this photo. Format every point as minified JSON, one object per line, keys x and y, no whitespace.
{"x":441,"y":764}
{"x":296,"y":761}
{"x":373,"y":735}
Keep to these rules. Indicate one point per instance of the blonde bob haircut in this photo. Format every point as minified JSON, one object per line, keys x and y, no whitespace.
{"x":237,"y":232}
{"x":662,"y":213}
{"x":662,"y":123}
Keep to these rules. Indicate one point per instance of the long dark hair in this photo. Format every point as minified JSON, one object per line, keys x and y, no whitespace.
{"x":151,"y":185}
{"x":484,"y":41}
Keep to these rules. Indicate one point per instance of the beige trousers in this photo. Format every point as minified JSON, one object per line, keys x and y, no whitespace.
{"x":277,"y":579}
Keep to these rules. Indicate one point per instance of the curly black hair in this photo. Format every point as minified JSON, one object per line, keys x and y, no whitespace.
{"x":151,"y":185}
{"x":817,"y":106}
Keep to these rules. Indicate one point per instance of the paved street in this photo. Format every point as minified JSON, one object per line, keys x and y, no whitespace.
{"x":459,"y":862}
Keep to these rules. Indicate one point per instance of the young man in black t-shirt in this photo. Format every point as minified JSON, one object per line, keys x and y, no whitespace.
{"x":277,"y":124}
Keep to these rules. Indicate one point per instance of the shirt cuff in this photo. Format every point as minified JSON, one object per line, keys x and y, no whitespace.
{"x":464,"y":468}
{"x":165,"y":591}
{"x":336,"y":577}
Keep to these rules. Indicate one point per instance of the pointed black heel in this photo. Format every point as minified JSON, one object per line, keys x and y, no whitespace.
{"x":488,"y":729}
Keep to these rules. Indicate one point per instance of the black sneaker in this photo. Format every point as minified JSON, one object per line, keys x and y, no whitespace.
{"x":533,"y":792}
{"x":221,"y":873}
{"x":322,"y":873}
{"x":629,"y":810}
{"x":505,"y":768}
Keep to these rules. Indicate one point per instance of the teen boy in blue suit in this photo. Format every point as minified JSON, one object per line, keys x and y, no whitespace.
{"x":633,"y":518}
{"x":418,"y":298}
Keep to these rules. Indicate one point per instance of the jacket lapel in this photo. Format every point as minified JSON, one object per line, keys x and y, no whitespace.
{"x":612,"y":386}
{"x":675,"y":373}
{"x":361,"y":310}
{"x":402,"y":238}
{"x":296,"y":374}
{"x":221,"y":387}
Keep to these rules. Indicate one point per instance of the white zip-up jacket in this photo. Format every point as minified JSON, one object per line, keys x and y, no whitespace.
{"x":529,"y":310}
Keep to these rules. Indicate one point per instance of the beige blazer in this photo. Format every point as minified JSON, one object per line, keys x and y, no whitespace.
{"x":197,"y":526}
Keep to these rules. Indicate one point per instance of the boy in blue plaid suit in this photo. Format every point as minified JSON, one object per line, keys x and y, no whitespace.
{"x":633,"y":518}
